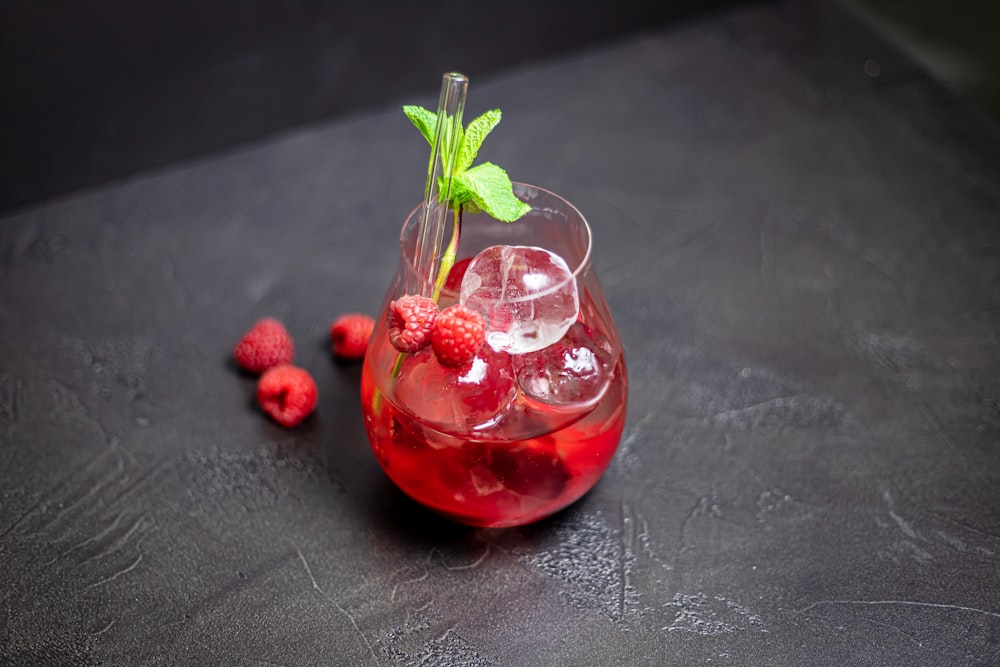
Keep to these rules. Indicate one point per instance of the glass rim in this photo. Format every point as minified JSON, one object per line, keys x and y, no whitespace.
{"x":564,"y":203}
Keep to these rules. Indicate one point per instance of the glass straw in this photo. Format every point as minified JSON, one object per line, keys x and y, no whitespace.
{"x":451,"y":104}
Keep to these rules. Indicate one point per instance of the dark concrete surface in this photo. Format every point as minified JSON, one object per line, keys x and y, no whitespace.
{"x":803,"y":258}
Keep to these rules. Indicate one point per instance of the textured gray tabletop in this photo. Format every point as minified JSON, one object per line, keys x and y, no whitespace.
{"x":799,"y":235}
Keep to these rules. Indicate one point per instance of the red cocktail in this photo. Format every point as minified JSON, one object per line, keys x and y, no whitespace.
{"x":530,"y":423}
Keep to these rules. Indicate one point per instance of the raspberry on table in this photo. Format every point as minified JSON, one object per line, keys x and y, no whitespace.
{"x":287,"y":394}
{"x":265,"y":345}
{"x":349,"y":335}
{"x":410,"y":320}
{"x":457,"y":335}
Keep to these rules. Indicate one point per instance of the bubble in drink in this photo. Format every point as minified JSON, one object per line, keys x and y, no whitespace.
{"x":527,"y":296}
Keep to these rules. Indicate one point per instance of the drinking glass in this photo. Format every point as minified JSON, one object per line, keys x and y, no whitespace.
{"x":531,"y":423}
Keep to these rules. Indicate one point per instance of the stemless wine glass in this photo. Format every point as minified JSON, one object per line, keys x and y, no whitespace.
{"x":531,"y":423}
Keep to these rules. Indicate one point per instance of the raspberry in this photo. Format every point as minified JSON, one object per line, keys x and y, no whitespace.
{"x":454,"y":281}
{"x":349,"y":335}
{"x":534,"y":470}
{"x":457,"y":335}
{"x":267,"y":344}
{"x":410,"y":320}
{"x":287,"y":394}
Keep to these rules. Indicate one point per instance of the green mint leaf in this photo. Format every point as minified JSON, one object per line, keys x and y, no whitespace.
{"x":424,"y":120}
{"x":488,"y":188}
{"x":485,"y":188}
{"x":475,"y":134}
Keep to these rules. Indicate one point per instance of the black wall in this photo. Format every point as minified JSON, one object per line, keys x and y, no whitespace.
{"x":91,"y":91}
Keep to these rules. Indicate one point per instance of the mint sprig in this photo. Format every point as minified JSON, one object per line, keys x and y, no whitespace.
{"x":475,"y":135}
{"x":485,"y":187}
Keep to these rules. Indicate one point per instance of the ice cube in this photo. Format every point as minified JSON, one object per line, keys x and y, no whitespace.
{"x":456,"y":400}
{"x":572,"y":373}
{"x":527,"y":296}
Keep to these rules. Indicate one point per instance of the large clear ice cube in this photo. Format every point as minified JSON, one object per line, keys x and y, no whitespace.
{"x":527,"y":296}
{"x":456,"y":400}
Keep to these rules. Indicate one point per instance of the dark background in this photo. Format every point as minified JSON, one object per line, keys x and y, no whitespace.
{"x":955,"y":40}
{"x":99,"y":90}
{"x":94,"y":91}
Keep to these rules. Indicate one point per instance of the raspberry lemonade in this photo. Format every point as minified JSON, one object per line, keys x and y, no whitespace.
{"x":495,"y":393}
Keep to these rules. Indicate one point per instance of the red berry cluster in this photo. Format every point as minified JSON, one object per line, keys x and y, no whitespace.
{"x":455,"y":333}
{"x":286,"y":392}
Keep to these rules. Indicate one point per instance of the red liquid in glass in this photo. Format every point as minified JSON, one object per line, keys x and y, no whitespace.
{"x":481,"y":451}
